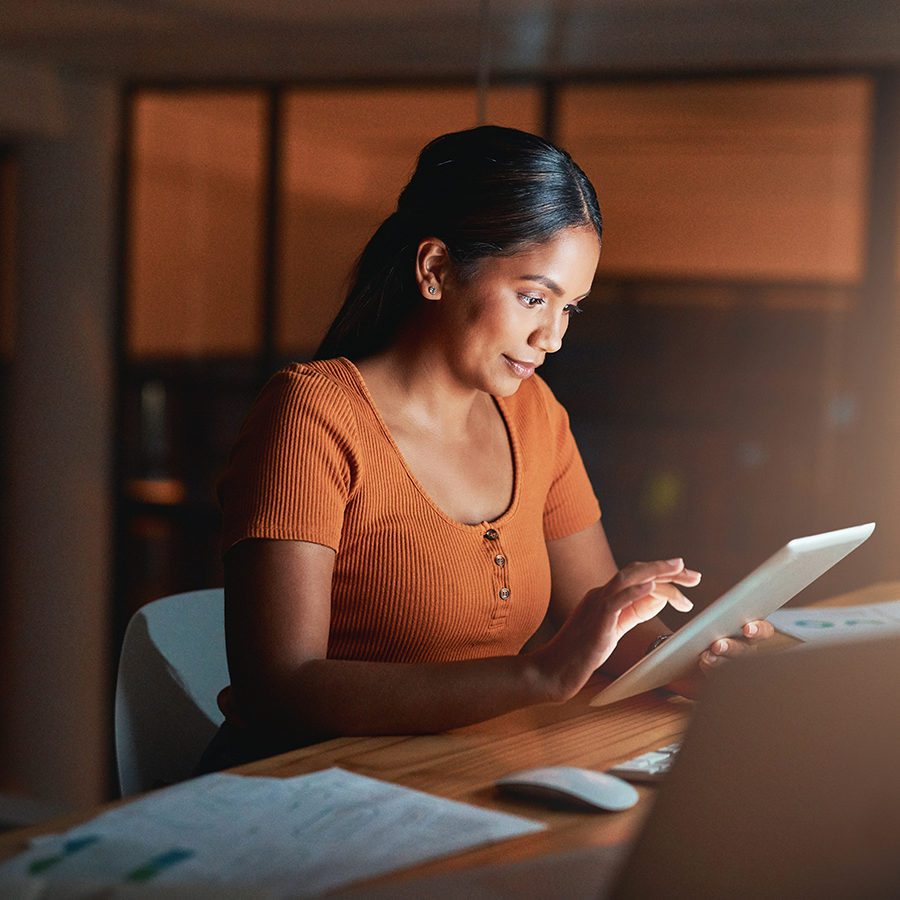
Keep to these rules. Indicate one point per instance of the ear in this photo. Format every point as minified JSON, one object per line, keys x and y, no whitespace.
{"x":432,"y":267}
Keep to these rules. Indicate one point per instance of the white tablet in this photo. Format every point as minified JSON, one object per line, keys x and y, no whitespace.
{"x":780,"y":577}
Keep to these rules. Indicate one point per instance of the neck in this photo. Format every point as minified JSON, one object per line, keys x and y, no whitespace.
{"x":415,"y":375}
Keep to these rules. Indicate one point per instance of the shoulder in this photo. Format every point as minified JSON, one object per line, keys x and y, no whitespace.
{"x":328,"y":379}
{"x":296,"y":461}
{"x":303,"y":405}
{"x":321,"y":388}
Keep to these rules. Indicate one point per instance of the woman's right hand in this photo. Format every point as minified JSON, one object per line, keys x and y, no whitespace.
{"x":590,"y":634}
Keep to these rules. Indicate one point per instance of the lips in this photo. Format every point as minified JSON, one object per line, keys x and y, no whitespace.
{"x":520,"y":368}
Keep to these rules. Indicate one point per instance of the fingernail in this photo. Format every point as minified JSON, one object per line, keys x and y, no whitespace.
{"x":751,"y":628}
{"x":678,"y":561}
{"x":720,"y":647}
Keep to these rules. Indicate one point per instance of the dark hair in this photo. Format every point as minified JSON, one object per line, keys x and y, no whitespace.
{"x":485,"y":192}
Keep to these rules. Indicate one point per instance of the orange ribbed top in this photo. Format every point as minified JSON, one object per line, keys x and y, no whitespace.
{"x":315,"y":462}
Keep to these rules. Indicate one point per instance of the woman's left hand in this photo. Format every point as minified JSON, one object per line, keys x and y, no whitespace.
{"x":752,"y":635}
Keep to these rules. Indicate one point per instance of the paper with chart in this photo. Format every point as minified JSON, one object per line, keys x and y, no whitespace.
{"x":835,"y":623}
{"x":229,"y":834}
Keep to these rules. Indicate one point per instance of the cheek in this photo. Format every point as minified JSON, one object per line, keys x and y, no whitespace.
{"x":488,"y":320}
{"x":469,"y":309}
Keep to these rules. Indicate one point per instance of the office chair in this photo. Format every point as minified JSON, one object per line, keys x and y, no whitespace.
{"x":171,"y":668}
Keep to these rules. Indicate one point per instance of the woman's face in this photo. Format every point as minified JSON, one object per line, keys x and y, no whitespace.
{"x":516,"y":309}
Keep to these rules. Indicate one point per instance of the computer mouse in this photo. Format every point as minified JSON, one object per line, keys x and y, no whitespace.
{"x":571,"y":785}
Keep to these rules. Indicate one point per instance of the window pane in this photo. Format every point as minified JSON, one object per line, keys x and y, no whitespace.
{"x":737,"y":179}
{"x":196,"y":224}
{"x":347,"y":154}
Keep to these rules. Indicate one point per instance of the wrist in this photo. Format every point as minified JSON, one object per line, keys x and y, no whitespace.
{"x":548,"y":679}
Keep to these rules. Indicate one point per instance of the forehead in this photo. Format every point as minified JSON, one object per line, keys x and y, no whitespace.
{"x":569,"y":259}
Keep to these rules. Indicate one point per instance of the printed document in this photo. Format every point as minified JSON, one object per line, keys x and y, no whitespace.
{"x":232,"y":835}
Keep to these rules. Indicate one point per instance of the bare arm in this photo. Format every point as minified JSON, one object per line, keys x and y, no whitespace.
{"x":278,"y":599}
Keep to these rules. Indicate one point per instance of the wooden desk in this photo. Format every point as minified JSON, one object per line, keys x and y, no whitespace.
{"x":463,"y":764}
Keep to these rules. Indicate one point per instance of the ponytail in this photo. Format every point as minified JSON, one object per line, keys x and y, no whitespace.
{"x":380,"y":294}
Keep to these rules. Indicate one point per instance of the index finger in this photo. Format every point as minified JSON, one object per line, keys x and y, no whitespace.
{"x":687,"y":578}
{"x":641,"y":572}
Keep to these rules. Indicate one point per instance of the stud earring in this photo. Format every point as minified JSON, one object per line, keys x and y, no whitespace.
{"x":432,"y":289}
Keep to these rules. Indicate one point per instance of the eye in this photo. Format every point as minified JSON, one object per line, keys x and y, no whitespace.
{"x":530,"y":300}
{"x":571,"y":309}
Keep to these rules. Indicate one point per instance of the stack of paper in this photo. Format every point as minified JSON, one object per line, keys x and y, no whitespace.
{"x":230,"y":835}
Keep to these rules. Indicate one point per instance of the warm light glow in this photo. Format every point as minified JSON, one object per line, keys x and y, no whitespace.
{"x":758,"y":179}
{"x":196,"y":224}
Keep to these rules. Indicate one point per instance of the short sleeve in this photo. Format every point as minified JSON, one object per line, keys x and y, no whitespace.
{"x":571,"y":504}
{"x":294,"y":465}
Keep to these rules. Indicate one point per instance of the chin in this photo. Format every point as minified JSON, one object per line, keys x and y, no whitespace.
{"x":505,"y":387}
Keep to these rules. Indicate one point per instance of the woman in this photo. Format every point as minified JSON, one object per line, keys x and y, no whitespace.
{"x":403,"y":513}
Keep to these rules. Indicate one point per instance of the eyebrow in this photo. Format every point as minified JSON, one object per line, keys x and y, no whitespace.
{"x":547,"y":282}
{"x":543,"y":279}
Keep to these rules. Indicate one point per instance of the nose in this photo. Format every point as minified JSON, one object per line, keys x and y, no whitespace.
{"x":548,"y":336}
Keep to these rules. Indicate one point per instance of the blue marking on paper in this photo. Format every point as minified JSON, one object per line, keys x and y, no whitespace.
{"x":830,"y":623}
{"x":158,"y":864}
{"x":43,"y":863}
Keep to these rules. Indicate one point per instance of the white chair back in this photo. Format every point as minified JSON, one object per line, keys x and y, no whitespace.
{"x":171,"y":668}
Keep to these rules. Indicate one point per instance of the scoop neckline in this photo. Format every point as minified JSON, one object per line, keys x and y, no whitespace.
{"x":513,"y":438}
